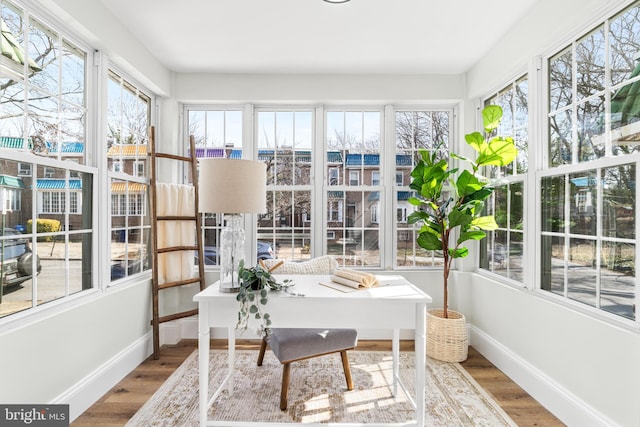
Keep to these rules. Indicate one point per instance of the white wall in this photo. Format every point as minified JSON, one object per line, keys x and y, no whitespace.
{"x":584,"y":369}
{"x":309,"y":89}
{"x":61,"y":355}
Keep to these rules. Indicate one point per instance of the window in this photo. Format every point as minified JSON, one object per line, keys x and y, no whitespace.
{"x":588,"y":191}
{"x":334,"y":213}
{"x":217,"y":133}
{"x":502,"y":251}
{"x":43,"y":115}
{"x":285,"y":145}
{"x":399,"y":179}
{"x":340,"y":192}
{"x":54,"y":202}
{"x":353,"y":138}
{"x":334,"y":176}
{"x":374,"y":213}
{"x":24,"y":169}
{"x":128,"y":118}
{"x":375,"y":178}
{"x":138,"y":168}
{"x":401,"y":214}
{"x":354,"y":178}
{"x":11,"y":199}
{"x":415,"y":131}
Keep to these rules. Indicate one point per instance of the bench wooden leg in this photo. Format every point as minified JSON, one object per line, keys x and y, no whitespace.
{"x":263,"y":348}
{"x":286,"y":367}
{"x":347,"y":369}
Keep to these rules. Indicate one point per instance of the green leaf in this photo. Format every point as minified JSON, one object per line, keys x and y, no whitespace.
{"x":475,"y":140}
{"x":491,"y":117}
{"x":418,"y":216}
{"x":479,"y":195}
{"x":485,"y":222}
{"x":414,"y":201}
{"x":257,"y":316}
{"x":459,"y":252}
{"x":471,"y":235}
{"x":463,"y":158}
{"x":429,"y":241}
{"x":500,"y":151}
{"x":468,"y":183}
{"x":264,"y":301}
{"x":253,"y":309}
{"x":458,"y":218}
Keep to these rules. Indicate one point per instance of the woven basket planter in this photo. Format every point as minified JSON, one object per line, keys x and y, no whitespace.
{"x":447,"y":339}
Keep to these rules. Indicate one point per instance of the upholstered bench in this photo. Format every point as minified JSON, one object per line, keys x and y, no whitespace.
{"x":290,"y":345}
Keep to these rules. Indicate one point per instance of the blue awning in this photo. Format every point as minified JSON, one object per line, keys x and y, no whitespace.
{"x":360,"y":159}
{"x":58,"y":184}
{"x":374,"y":196}
{"x":403,"y":160}
{"x":334,"y":157}
{"x":11,"y":181}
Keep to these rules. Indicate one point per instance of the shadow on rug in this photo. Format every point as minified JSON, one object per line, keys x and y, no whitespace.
{"x":317,"y":393}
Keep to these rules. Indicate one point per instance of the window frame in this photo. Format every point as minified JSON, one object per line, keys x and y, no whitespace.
{"x":135,"y":232}
{"x":545,"y":170}
{"x":509,"y":177}
{"x":327,"y":176}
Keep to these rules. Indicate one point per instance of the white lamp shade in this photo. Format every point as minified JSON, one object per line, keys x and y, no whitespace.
{"x":232,"y":186}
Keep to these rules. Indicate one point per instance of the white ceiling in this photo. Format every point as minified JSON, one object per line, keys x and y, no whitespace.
{"x":312,"y":36}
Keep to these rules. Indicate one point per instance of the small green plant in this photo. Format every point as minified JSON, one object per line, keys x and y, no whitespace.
{"x":442,"y":213}
{"x":253,"y":296}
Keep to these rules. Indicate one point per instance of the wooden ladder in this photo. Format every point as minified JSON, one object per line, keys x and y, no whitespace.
{"x":155,"y":219}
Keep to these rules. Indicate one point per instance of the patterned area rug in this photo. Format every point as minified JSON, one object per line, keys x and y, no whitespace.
{"x":317,"y":393}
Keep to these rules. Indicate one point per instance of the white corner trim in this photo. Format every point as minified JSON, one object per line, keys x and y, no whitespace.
{"x":570,"y":409}
{"x":87,"y":391}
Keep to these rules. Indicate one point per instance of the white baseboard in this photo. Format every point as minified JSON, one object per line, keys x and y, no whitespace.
{"x":91,"y":388}
{"x":563,"y":404}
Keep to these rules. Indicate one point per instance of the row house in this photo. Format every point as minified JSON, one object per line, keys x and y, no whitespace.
{"x":54,"y":189}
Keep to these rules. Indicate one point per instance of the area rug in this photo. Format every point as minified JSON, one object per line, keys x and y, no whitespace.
{"x":317,"y":393}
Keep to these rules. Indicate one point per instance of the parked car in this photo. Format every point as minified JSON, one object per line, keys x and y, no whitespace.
{"x":265,"y":251}
{"x":17,"y":265}
{"x":122,"y":269}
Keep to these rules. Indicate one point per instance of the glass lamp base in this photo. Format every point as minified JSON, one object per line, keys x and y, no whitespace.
{"x":229,"y":288}
{"x":232,"y":252}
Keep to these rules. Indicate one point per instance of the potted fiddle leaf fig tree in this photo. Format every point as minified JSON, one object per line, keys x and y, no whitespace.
{"x":450,"y":204}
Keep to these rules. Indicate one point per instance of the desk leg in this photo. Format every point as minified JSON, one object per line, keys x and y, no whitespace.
{"x":421,"y":361}
{"x":203,"y":360}
{"x":395,"y":351}
{"x":231,"y":340}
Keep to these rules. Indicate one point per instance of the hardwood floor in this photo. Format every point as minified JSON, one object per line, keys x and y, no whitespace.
{"x":116,"y":407}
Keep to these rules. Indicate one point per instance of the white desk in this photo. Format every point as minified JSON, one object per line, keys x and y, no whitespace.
{"x":396,"y":304}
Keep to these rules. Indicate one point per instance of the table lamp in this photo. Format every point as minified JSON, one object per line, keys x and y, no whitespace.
{"x":232,"y":187}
